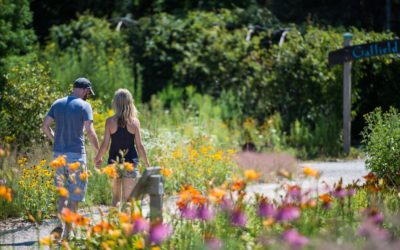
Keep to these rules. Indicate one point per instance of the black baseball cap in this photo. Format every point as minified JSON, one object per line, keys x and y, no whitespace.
{"x":83,"y":83}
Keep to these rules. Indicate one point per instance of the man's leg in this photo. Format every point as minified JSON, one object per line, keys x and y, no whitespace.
{"x":73,"y":206}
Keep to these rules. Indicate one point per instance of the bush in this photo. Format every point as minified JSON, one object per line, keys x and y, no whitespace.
{"x":381,"y":137}
{"x":28,"y":95}
{"x":89,"y":47}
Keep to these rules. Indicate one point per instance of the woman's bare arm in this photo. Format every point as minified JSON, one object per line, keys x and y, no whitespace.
{"x":139,"y":144}
{"x":105,"y":144}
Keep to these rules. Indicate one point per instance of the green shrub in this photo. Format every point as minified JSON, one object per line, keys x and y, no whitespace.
{"x":28,"y":94}
{"x":89,"y":47}
{"x":381,"y":137}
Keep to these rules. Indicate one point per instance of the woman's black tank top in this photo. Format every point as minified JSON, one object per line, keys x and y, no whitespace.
{"x":125,"y":141}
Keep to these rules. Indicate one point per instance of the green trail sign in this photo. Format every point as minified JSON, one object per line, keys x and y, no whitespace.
{"x":346,"y":56}
{"x":361,"y":51}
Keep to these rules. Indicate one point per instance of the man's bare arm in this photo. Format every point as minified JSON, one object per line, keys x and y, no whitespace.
{"x":91,"y":133}
{"x":47,"y":129}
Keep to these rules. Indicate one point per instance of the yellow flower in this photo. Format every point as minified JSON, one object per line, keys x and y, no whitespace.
{"x":43,"y":162}
{"x":251,"y":174}
{"x":62,"y":191}
{"x":128,"y":166}
{"x":74,"y":166}
{"x":47,"y":240}
{"x":114,"y":233}
{"x":311,"y":172}
{"x":177,"y":154}
{"x":166,"y":172}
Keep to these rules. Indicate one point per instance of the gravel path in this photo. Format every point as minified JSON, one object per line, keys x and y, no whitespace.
{"x":25,"y":235}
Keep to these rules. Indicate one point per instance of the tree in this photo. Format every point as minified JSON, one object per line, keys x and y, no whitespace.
{"x":16,"y":36}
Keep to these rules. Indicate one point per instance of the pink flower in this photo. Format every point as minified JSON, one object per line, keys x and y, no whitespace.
{"x":189,"y":213}
{"x":226,"y":204}
{"x":288,"y":213}
{"x":294,"y":239}
{"x":159,"y":233}
{"x":370,"y":230}
{"x":266,"y":210}
{"x":213,"y":243}
{"x":141,"y":225}
{"x":205,"y":213}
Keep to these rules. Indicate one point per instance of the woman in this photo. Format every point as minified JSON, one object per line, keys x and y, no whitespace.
{"x":123,"y":131}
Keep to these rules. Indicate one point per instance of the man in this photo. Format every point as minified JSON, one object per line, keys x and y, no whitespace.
{"x":72,"y":115}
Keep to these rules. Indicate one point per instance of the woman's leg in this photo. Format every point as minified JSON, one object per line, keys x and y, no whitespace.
{"x":129,"y":185}
{"x":116,"y":191}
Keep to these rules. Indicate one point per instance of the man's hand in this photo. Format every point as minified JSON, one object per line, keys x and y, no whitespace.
{"x":47,"y":129}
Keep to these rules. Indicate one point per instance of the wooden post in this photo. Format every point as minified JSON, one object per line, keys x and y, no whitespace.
{"x":156,"y":190}
{"x":152,"y":183}
{"x":347,"y":98}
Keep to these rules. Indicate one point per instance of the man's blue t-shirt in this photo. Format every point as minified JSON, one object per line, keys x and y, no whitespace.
{"x":69,"y":114}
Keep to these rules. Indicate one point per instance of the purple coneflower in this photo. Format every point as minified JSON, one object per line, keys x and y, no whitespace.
{"x":188,"y":213}
{"x":266,"y":210}
{"x":226,"y":204}
{"x":213,"y":243}
{"x":159,"y":233}
{"x":238,"y":218}
{"x":288,"y":213}
{"x":368,"y":229}
{"x":141,"y":225}
{"x":205,"y":213}
{"x":294,"y":239}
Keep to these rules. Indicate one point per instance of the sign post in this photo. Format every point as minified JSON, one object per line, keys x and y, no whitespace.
{"x":151,"y":183}
{"x":346,"y":56}
{"x":347,"y":97}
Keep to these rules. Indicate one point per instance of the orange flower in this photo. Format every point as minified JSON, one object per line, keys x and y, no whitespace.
{"x":84,"y":176}
{"x":110,"y":171}
{"x":251,"y":175}
{"x":59,"y":162}
{"x":268,"y":222}
{"x":101,"y":226}
{"x":62,"y":191}
{"x":82,"y":221}
{"x":370,"y":177}
{"x":68,"y":216}
{"x":238,"y":185}
{"x":311,"y":172}
{"x":74,"y":166}
{"x":166,"y":172}
{"x":139,"y":243}
{"x":124,"y":218}
{"x":128,"y":166}
{"x":199,"y":199}
{"x":190,"y":194}
{"x":326,"y":198}
{"x":5,"y":193}
{"x":216,"y":194}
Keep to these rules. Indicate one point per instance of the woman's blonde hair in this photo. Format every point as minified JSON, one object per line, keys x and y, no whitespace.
{"x":123,"y":107}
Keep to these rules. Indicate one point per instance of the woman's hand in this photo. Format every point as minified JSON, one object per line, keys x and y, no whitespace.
{"x":98,"y":161}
